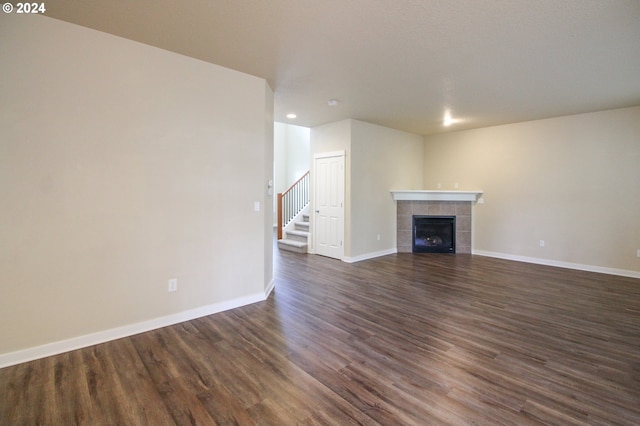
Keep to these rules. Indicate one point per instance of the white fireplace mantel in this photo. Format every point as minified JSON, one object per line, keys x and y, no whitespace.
{"x":435,"y":195}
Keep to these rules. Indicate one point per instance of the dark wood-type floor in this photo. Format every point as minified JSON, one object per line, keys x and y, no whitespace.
{"x":402,"y":339}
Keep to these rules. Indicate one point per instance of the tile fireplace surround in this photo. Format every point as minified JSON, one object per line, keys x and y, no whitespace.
{"x":434,"y":203}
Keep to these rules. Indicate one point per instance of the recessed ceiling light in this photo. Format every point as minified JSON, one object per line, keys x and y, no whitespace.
{"x":448,"y":120}
{"x":332,"y":102}
{"x":291,"y":116}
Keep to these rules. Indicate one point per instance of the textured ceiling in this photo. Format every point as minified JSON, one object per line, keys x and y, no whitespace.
{"x":400,"y":63}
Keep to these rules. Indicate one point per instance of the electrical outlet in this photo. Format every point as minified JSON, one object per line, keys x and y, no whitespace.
{"x":638,"y":253}
{"x":541,"y":243}
{"x":378,"y":237}
{"x":173,"y":284}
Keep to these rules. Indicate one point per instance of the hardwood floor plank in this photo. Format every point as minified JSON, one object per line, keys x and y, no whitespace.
{"x":26,"y":390}
{"x":121,"y":370}
{"x":100,"y":371}
{"x":400,"y":339}
{"x":72,"y":399}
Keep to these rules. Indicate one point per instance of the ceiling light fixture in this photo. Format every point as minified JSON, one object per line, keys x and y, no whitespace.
{"x":332,"y":102}
{"x":448,"y":120}
{"x":291,"y":116}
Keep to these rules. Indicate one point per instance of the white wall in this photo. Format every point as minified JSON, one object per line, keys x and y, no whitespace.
{"x":571,"y":181}
{"x":298,"y":151}
{"x":279,"y":160}
{"x":121,"y":166}
{"x":292,"y":148}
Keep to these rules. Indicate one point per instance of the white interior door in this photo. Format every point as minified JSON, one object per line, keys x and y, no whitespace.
{"x":329,"y":204}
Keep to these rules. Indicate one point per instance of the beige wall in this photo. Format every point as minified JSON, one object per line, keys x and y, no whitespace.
{"x":377,"y":160}
{"x":266,"y":146}
{"x":334,"y":137}
{"x":382,"y":159}
{"x":572,"y":181}
{"x":121,"y":166}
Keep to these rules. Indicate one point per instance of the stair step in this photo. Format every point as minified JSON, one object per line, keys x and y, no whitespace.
{"x":296,"y":235}
{"x":305,"y":217}
{"x":302,"y":226}
{"x":291,"y":245}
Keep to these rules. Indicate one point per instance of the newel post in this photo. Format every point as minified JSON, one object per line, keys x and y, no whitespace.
{"x":279,"y":215}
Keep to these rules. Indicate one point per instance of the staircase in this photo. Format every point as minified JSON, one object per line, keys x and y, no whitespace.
{"x":293,"y":220}
{"x":297,"y":239}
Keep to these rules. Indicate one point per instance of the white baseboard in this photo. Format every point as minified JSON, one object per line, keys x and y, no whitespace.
{"x":269,"y":289}
{"x":55,"y":348}
{"x":369,"y":255}
{"x":560,"y":264}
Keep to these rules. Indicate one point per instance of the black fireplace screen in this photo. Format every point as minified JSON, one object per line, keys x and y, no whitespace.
{"x":434,"y":234}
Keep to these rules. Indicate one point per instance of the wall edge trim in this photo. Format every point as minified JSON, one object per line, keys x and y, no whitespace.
{"x":559,"y":264}
{"x":269,"y":289}
{"x":74,"y":343}
{"x":371,"y":255}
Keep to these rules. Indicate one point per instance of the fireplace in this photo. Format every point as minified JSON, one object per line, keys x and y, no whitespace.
{"x":434,"y":203}
{"x":434,"y":234}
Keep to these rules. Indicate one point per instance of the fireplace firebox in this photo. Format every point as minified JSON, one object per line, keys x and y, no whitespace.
{"x":434,"y":234}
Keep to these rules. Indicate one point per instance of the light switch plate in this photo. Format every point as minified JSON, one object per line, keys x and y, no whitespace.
{"x":173,"y":284}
